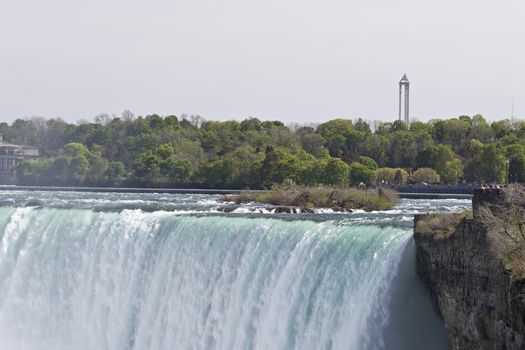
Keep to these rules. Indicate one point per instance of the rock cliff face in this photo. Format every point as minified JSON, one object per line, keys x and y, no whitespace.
{"x":474,"y":266}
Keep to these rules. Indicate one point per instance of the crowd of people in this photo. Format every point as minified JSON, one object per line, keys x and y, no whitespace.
{"x":494,"y":186}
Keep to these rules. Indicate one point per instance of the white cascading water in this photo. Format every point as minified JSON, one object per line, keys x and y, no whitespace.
{"x":83,"y":279}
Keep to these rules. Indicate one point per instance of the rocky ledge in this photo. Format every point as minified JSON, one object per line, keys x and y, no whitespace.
{"x":474,"y":265}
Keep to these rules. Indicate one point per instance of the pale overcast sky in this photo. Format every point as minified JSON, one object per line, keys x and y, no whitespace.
{"x":292,"y":60}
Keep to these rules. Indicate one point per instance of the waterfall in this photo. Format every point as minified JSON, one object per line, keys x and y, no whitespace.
{"x":84,"y":279}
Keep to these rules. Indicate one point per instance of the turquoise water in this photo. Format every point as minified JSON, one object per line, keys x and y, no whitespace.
{"x":135,"y":271}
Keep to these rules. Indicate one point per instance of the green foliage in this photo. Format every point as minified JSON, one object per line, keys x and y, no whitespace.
{"x":219,"y":173}
{"x":147,"y":164}
{"x":375,"y":147}
{"x":180,"y":171}
{"x":362,"y":126}
{"x":231,"y":171}
{"x":402,"y":152}
{"x":456,"y":132}
{"x":189,"y":151}
{"x":480,"y":129}
{"x":501,"y":128}
{"x":398,"y":125}
{"x":165,"y":151}
{"x":443,"y":159}
{"x":313,"y":144}
{"x":452,"y":171}
{"x":368,"y":162}
{"x":280,"y":165}
{"x":426,"y":175}
{"x":98,"y":167}
{"x":78,"y":169}
{"x":516,"y":157}
{"x":360,"y":173}
{"x":75,"y":149}
{"x":35,"y":172}
{"x":394,"y":176}
{"x":491,"y":163}
{"x":335,"y":172}
{"x":473,"y":148}
{"x":116,"y":172}
{"x":341,"y":137}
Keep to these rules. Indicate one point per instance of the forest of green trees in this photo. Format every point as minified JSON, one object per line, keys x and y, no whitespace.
{"x":190,"y":151}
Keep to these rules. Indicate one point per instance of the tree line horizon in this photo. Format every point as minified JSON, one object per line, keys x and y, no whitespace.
{"x":189,"y":151}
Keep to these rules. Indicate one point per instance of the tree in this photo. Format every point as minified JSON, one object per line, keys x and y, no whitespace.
{"x":103,"y":119}
{"x":116,"y":172}
{"x":75,"y":149}
{"x":279,"y":165}
{"x":399,"y":125}
{"x":191,"y":151}
{"x":341,"y":137}
{"x":218,"y":173}
{"x":491,"y":163}
{"x":221,"y":136}
{"x":501,"y":128}
{"x":155,"y":121}
{"x":243,"y":160}
{"x":98,"y":167}
{"x":57,"y":135}
{"x":402,"y":151}
{"x":422,"y":134}
{"x":400,"y":176}
{"x":436,"y":157}
{"x":314,"y":144}
{"x":383,"y":128}
{"x":36,"y":172}
{"x":516,"y":157}
{"x":368,"y":162}
{"x":335,"y":172}
{"x":376,"y":147}
{"x":335,"y":127}
{"x":438,"y":130}
{"x":280,"y":136}
{"x":251,"y":124}
{"x":452,"y":171}
{"x":336,"y":146}
{"x":165,"y":151}
{"x":360,"y":173}
{"x":393,"y":176}
{"x":473,"y":148}
{"x":29,"y":131}
{"x":519,"y":129}
{"x":480,"y":129}
{"x":146,"y":166}
{"x":180,"y":170}
{"x":456,"y":133}
{"x":425,"y":175}
{"x":158,"y":149}
{"x":128,"y":116}
{"x":78,"y":168}
{"x":361,"y":125}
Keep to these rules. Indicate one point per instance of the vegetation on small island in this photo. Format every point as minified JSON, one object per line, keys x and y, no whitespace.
{"x":189,"y":151}
{"x":306,"y":198}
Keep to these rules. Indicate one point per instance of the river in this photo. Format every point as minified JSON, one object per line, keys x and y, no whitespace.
{"x":186,"y":271}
